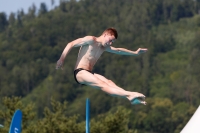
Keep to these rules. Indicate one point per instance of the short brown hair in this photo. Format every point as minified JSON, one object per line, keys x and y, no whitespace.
{"x":111,"y":31}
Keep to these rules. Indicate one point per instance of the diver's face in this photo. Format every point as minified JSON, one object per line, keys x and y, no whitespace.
{"x":108,"y":39}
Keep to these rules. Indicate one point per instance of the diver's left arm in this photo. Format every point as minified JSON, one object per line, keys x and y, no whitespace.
{"x":123,"y":51}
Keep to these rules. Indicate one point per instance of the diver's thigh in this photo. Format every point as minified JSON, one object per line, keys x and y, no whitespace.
{"x":87,"y":78}
{"x":108,"y":81}
{"x":101,"y":77}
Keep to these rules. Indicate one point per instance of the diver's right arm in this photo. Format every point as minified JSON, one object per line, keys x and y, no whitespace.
{"x":76,"y":43}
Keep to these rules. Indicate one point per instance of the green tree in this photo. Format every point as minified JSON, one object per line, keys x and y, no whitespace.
{"x":43,"y":9}
{"x":3,"y":22}
{"x":12,"y":19}
{"x":10,"y":105}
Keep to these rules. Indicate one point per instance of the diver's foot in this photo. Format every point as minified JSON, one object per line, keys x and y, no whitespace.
{"x":138,"y":100}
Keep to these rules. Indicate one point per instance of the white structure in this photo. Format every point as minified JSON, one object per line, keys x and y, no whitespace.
{"x":193,"y":126}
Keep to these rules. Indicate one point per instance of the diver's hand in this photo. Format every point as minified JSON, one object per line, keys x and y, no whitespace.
{"x":59,"y":64}
{"x":141,"y":50}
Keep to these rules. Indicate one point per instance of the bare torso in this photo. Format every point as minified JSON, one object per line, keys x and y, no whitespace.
{"x":88,"y":55}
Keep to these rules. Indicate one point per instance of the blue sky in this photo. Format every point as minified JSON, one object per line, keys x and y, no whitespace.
{"x":9,"y":6}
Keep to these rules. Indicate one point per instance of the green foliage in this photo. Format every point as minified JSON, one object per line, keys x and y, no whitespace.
{"x":3,"y":22}
{"x":10,"y":105}
{"x":55,"y":119}
{"x":113,"y":122}
{"x":160,"y":114}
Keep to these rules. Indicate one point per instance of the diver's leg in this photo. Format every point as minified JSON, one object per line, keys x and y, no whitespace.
{"x":87,"y":78}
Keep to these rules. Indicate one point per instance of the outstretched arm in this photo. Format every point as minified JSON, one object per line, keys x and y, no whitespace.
{"x":76,"y":43}
{"x":123,"y":51}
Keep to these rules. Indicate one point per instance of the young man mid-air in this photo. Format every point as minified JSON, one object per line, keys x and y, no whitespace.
{"x":91,"y":48}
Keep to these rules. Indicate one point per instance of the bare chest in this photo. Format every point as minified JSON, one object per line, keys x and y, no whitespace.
{"x":92,"y":52}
